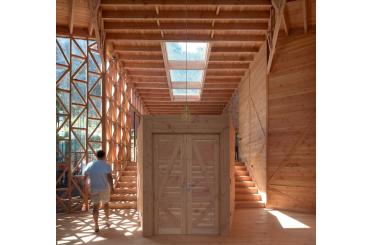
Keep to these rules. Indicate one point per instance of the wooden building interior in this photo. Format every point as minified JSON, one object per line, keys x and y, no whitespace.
{"x":216,"y":145}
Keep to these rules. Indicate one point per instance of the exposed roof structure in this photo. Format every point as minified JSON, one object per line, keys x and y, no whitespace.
{"x":136,"y":30}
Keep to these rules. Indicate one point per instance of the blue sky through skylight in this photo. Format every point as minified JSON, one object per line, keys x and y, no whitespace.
{"x":192,"y":75}
{"x":195,"y":51}
{"x":177,"y":91}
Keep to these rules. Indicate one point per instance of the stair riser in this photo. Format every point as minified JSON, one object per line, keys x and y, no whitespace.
{"x":247,"y":197}
{"x":129,"y":173}
{"x":128,"y":178}
{"x":130,"y":168}
{"x":241,"y":168}
{"x":249,"y":205}
{"x":239,"y":173}
{"x":244,"y":184}
{"x":127,"y":192}
{"x":245,"y":191}
{"x":127,"y":184}
{"x":242,"y":178}
{"x":124,"y":199}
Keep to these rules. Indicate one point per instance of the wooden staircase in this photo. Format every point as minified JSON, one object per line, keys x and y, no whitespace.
{"x":125,"y":196}
{"x":246,"y":192}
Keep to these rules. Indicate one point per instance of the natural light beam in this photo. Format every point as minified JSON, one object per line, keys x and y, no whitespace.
{"x":288,"y":222}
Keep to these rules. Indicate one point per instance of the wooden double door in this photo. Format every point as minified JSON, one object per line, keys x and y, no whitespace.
{"x":186,"y":184}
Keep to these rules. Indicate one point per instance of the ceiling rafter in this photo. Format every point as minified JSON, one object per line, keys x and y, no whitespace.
{"x":71,"y":16}
{"x":181,"y":15}
{"x":119,"y":3}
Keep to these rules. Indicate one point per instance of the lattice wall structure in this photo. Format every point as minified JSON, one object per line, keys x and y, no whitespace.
{"x":79,"y":116}
{"x":94,"y":105}
{"x":116,"y":91}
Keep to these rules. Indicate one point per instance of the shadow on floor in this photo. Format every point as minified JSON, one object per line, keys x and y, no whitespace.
{"x":250,"y":226}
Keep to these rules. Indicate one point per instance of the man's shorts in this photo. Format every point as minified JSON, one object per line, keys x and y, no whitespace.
{"x":97,"y":197}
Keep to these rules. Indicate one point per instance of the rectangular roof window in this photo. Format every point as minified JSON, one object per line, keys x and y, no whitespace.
{"x":186,"y":75}
{"x":195,"y":51}
{"x":190,"y":92}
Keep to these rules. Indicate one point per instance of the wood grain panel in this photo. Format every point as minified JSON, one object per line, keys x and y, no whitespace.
{"x":291,"y":166}
{"x":253,"y":119}
{"x":203,"y":198}
{"x":169,"y":180}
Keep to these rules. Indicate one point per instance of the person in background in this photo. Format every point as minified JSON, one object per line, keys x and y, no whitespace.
{"x":99,"y":173}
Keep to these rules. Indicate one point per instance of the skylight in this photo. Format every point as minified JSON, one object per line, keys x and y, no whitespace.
{"x":186,"y":63}
{"x":192,"y":75}
{"x":195,"y":51}
{"x":191,"y":92}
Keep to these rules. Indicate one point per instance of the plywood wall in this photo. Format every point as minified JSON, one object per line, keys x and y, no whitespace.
{"x":291,"y":124}
{"x":252,"y":119}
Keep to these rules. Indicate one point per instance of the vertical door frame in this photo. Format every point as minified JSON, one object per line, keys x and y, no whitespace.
{"x":171,"y":124}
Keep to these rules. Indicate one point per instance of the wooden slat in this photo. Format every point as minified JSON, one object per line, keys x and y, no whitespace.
{"x":304,"y":9}
{"x":227,"y":65}
{"x":78,"y":32}
{"x":143,"y":65}
{"x":123,"y":3}
{"x":71,"y":4}
{"x":181,"y":15}
{"x":120,"y":26}
{"x":182,"y":37}
{"x":234,"y":49}
{"x":140,"y":57}
{"x":129,"y":48}
{"x":215,"y":57}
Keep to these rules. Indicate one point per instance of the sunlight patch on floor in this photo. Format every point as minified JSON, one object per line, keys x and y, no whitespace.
{"x":287,"y":222}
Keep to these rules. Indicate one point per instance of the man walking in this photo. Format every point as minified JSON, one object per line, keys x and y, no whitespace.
{"x":99,"y":173}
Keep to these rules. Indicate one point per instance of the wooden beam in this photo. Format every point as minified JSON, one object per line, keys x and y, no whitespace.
{"x":143,"y":65}
{"x":120,"y":3}
{"x":227,"y":65}
{"x":128,"y":48}
{"x":147,"y":72}
{"x":93,"y":11}
{"x":78,"y":32}
{"x":214,"y":57}
{"x":140,"y":57}
{"x":181,"y":15}
{"x":71,"y":15}
{"x":143,"y":26}
{"x":284,"y":21}
{"x":208,"y":86}
{"x":182,"y":37}
{"x":304,"y":9}
{"x":278,"y":14}
{"x":222,"y":80}
{"x":225,"y":73}
{"x":234,"y":50}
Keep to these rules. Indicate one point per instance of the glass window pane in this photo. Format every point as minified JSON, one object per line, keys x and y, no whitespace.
{"x":59,"y":56}
{"x":195,"y":51}
{"x":191,"y":92}
{"x":65,"y":45}
{"x":186,"y":75}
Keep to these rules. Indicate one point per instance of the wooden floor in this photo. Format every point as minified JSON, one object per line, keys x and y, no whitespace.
{"x":250,"y":226}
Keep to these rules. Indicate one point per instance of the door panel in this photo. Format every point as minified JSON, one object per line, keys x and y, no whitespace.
{"x":169,"y":185}
{"x":186,"y":184}
{"x":202,"y":184}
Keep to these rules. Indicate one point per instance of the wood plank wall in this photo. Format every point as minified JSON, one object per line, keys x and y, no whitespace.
{"x":291,"y":124}
{"x":253,"y":119}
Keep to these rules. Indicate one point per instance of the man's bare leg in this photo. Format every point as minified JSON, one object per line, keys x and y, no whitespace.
{"x":107,"y":213}
{"x":95,"y":216}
